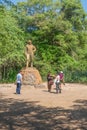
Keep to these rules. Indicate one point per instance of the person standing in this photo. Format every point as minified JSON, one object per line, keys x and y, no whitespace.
{"x":29,"y":52}
{"x":61,"y":78}
{"x":18,"y":82}
{"x":57,"y":84}
{"x":49,"y":81}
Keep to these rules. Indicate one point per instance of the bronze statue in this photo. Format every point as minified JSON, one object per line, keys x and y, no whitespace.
{"x":29,"y":52}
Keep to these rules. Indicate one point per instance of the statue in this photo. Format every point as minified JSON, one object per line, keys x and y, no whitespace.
{"x":31,"y":75}
{"x":29,"y":52}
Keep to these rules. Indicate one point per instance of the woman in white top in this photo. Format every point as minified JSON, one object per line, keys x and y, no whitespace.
{"x":57,"y":83}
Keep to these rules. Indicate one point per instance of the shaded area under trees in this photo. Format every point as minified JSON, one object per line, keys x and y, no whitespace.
{"x":20,"y":115}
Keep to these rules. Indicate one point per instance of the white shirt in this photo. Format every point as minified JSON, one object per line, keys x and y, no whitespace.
{"x":57,"y":79}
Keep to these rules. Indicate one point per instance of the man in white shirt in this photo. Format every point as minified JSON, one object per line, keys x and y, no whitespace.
{"x":19,"y":82}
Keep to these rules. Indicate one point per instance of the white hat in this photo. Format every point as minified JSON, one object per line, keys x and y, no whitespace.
{"x":61,"y":71}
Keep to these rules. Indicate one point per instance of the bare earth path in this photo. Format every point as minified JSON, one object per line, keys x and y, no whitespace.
{"x":37,"y":109}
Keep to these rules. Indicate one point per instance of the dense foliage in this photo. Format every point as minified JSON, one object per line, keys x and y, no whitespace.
{"x":57,"y":28}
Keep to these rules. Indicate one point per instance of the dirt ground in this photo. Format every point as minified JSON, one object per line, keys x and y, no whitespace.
{"x":37,"y":109}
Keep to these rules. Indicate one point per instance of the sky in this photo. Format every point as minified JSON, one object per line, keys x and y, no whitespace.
{"x":15,"y":1}
{"x":84,"y":3}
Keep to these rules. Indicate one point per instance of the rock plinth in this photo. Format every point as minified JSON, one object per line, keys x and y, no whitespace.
{"x":31,"y":76}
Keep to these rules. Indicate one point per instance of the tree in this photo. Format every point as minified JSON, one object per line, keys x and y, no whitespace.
{"x":11,"y":42}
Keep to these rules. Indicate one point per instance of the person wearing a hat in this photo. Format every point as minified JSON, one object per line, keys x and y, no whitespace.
{"x":61,"y":78}
{"x":29,"y":52}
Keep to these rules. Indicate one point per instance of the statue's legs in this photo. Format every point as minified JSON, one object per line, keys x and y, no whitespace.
{"x":31,"y":60}
{"x":28,"y":60}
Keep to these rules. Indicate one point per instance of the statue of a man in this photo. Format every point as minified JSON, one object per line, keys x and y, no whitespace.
{"x":29,"y":52}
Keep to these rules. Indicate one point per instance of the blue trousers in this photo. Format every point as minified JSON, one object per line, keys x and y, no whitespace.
{"x":18,"y":88}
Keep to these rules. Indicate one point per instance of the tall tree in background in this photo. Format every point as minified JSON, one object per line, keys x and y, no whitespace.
{"x":11,"y":42}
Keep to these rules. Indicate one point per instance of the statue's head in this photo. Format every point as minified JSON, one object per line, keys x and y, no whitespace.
{"x":29,"y":42}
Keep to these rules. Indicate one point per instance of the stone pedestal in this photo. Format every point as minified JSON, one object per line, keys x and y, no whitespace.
{"x":31,"y":76}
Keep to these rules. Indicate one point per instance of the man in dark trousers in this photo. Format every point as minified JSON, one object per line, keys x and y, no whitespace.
{"x":18,"y":82}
